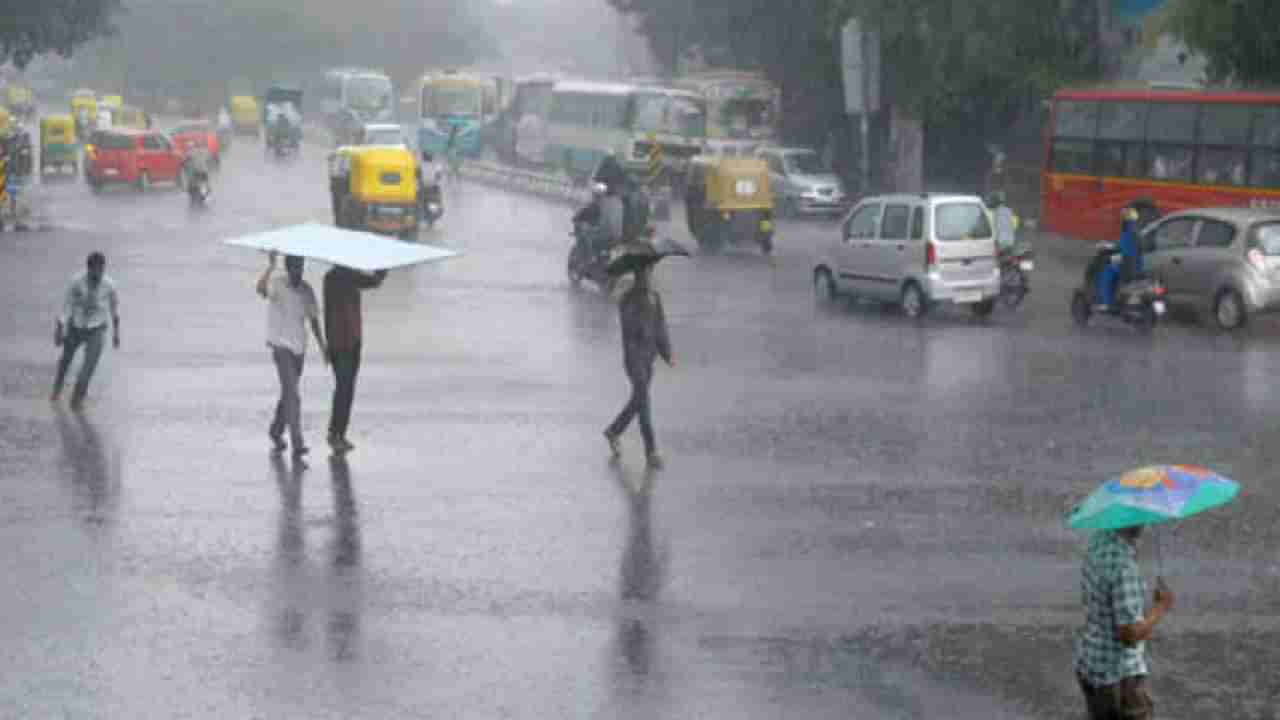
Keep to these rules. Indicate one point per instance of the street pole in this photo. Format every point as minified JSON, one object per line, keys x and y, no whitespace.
{"x":865,"y":120}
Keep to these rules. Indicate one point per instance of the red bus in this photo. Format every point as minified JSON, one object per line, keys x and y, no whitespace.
{"x":1179,"y":148}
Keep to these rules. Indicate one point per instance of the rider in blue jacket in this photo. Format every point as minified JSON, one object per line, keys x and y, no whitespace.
{"x":1131,"y":261}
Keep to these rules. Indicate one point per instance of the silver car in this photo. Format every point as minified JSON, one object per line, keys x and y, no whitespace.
{"x":802,"y":183}
{"x":916,"y":250}
{"x":1224,"y":260}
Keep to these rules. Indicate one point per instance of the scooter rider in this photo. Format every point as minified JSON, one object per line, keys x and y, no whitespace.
{"x":1130,"y":265}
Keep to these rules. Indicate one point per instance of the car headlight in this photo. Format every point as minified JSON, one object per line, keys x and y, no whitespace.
{"x":745,"y":188}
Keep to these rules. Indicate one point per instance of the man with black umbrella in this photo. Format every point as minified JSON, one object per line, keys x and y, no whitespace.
{"x":644,"y":339}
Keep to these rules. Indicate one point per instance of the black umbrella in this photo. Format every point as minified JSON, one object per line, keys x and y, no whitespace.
{"x":631,"y":257}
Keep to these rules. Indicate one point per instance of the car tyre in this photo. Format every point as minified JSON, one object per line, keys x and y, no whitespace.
{"x":913,"y":301}
{"x":825,"y":291}
{"x":1229,"y":310}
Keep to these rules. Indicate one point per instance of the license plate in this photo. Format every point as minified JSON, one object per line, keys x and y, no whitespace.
{"x":111,"y":171}
{"x":1158,"y":306}
{"x":766,"y":225}
{"x":968,"y":298}
{"x":1027,"y":265}
{"x":390,"y":212}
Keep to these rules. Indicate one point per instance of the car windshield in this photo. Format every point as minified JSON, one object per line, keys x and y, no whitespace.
{"x":962,"y":221}
{"x":369,"y":93}
{"x":806,"y":163}
{"x":451,"y":101}
{"x":1268,"y":239}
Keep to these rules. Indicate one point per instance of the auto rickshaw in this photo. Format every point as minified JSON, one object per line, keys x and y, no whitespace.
{"x":111,"y":101}
{"x":19,"y":100}
{"x":374,"y":188}
{"x":6,"y":122}
{"x":127,"y":116}
{"x":245,"y":115}
{"x":728,"y":199}
{"x":58,"y":146}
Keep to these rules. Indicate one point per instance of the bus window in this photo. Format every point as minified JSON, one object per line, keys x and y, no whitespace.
{"x":1266,"y":126}
{"x":1073,"y":156}
{"x":1224,"y":124}
{"x":1171,"y":163}
{"x":1222,"y":166}
{"x":1171,"y":132}
{"x":1121,"y":127}
{"x":1075,"y":119}
{"x":1264,"y":168}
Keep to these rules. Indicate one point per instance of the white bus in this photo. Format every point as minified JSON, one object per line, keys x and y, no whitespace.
{"x":588,"y":121}
{"x":355,"y":96}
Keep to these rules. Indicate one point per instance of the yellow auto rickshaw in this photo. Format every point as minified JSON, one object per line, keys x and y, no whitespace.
{"x":728,"y":199}
{"x":127,"y":116}
{"x":59,"y":148}
{"x":245,"y":115}
{"x":84,"y":108}
{"x":19,"y":100}
{"x":374,"y":188}
{"x":6,"y":122}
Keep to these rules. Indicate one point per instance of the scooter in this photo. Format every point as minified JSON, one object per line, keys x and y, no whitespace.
{"x":1139,"y":302}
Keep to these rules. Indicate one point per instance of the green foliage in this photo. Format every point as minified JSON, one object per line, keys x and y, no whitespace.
{"x":1240,"y":38}
{"x":35,"y":27}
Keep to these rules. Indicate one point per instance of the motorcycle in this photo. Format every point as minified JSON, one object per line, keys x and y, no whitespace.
{"x":430,"y":204}
{"x":589,"y":257}
{"x":1139,"y":302}
{"x":1016,"y":265}
{"x":198,"y":188}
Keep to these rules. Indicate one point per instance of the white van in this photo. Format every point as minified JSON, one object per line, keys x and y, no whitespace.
{"x":916,"y":250}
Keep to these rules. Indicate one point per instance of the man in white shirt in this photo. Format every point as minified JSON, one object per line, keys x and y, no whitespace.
{"x":90,"y":304}
{"x":291,"y":304}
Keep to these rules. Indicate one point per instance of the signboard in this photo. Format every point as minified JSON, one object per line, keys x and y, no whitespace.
{"x":860,"y":66}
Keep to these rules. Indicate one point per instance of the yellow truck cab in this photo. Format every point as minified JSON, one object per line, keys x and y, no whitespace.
{"x":375,"y":188}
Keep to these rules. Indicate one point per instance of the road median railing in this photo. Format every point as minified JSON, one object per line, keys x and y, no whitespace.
{"x":554,"y":186}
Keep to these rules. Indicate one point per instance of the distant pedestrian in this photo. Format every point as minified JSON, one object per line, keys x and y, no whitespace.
{"x":91,"y":304}
{"x":1110,"y":653}
{"x":291,"y":305}
{"x":342,"y":327}
{"x":644,"y":338}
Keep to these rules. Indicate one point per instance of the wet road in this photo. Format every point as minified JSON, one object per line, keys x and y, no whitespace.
{"x":861,"y":516}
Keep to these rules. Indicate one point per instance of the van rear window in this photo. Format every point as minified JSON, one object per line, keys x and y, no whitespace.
{"x":390,"y":178}
{"x":109,"y":141}
{"x":1268,"y":239}
{"x":961,"y":221}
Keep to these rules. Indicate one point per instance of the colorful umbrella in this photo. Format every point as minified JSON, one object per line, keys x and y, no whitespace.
{"x":1152,"y":495}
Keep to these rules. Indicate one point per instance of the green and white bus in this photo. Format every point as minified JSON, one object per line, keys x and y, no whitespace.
{"x":588,"y":121}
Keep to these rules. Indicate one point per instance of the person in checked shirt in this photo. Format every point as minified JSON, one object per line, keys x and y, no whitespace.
{"x":91,"y":304}
{"x":1110,"y":653}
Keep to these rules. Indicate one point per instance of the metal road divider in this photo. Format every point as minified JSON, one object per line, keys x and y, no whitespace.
{"x":548,"y":185}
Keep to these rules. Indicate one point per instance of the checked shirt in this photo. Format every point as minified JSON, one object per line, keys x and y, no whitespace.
{"x":1114,"y":594}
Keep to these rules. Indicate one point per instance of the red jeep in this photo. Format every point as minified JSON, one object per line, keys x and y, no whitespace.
{"x":134,"y":157}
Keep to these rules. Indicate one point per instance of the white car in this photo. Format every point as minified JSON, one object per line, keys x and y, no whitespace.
{"x":916,"y":250}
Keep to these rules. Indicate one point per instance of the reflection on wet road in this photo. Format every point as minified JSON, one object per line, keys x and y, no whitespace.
{"x":861,"y":516}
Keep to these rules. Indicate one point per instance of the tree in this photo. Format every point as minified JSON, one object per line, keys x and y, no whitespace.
{"x":964,"y":68}
{"x":1239,"y":38}
{"x":34,"y":27}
